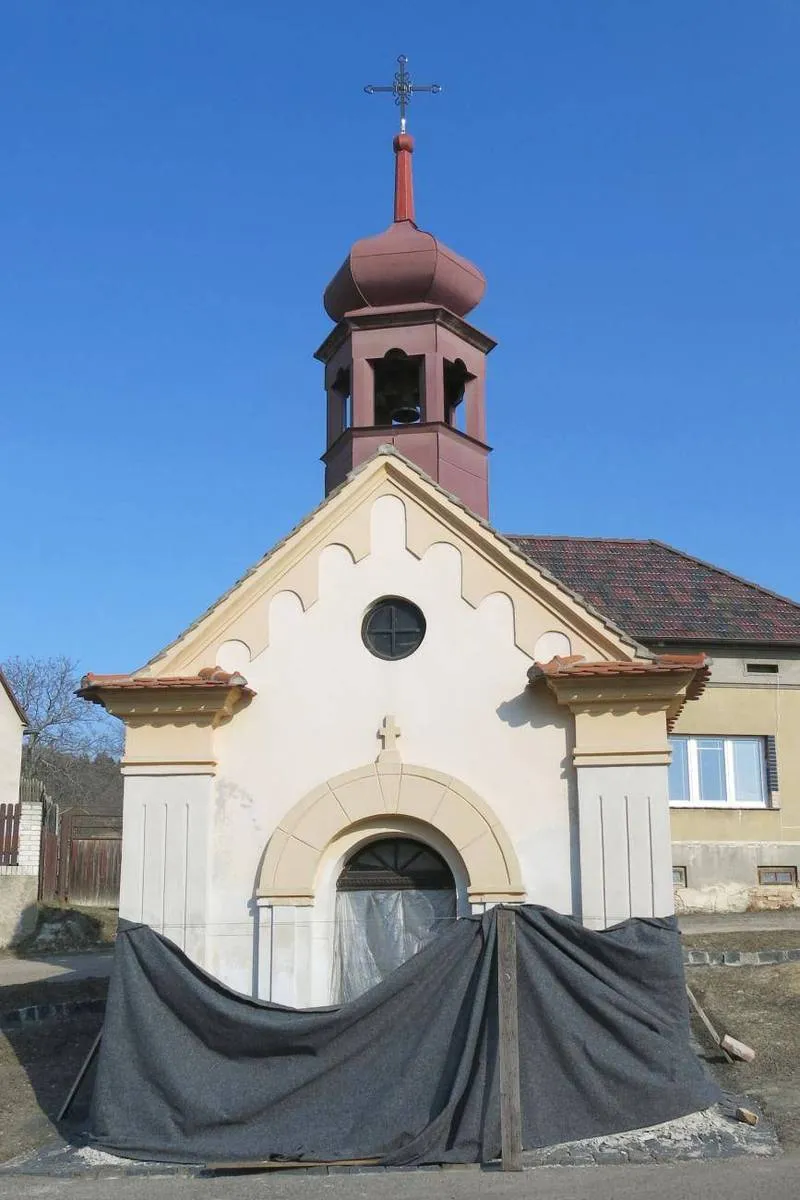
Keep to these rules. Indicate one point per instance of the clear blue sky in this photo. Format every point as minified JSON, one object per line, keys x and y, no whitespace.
{"x":180,"y":179}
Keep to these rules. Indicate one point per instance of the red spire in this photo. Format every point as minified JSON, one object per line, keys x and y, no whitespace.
{"x":403,"y":179}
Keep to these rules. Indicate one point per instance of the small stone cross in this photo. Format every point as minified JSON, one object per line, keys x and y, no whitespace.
{"x":389,"y":733}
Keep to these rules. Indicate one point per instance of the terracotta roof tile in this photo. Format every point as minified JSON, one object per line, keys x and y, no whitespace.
{"x":210,"y":677}
{"x":577,"y":665}
{"x":658,"y":593}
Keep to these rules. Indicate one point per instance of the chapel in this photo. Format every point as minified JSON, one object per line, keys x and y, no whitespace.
{"x":398,"y":716}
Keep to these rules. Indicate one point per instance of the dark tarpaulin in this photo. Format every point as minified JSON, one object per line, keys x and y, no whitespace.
{"x":407,"y":1073}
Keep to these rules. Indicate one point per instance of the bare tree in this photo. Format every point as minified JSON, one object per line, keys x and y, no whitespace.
{"x":65,"y":737}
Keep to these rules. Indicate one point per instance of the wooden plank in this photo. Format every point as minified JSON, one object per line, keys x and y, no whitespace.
{"x":280,"y":1164}
{"x":510,"y":1106}
{"x":73,"y":1091}
{"x":703,"y":1015}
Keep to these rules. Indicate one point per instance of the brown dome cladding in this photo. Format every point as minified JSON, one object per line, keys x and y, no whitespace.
{"x":403,"y":265}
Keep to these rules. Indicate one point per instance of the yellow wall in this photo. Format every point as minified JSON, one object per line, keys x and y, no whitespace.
{"x":759,"y":710}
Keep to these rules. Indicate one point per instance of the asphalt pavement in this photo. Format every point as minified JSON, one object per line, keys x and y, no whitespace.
{"x":86,"y":964}
{"x":736,"y":1179}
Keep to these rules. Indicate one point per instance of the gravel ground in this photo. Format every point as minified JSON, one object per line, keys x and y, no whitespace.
{"x":761,"y":1007}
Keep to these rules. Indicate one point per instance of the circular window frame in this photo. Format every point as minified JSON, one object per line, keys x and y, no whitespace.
{"x":410,"y":606}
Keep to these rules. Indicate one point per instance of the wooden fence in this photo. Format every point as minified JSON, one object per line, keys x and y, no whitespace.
{"x":9,"y":834}
{"x":49,"y":852}
{"x":81,"y":857}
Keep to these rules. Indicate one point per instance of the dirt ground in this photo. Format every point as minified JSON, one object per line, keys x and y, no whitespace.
{"x":49,"y":991}
{"x":761,"y":1007}
{"x":764,"y":939}
{"x":38,"y":1065}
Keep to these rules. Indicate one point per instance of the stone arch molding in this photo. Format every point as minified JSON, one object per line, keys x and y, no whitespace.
{"x":294,"y":852}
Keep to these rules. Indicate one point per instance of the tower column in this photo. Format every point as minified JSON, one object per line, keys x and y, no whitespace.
{"x":363,"y":394}
{"x":475,"y":404}
{"x":433,"y":381}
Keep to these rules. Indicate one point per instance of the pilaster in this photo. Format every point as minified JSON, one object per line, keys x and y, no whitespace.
{"x":621,"y":757}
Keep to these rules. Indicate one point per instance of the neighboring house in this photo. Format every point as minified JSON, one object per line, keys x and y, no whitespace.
{"x":12,"y":726}
{"x":19,"y":877}
{"x":735,"y":774}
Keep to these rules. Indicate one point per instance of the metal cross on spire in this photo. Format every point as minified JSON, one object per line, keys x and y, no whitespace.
{"x":402,"y":89}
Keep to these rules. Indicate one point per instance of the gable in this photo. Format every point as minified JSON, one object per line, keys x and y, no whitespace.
{"x":237,"y":628}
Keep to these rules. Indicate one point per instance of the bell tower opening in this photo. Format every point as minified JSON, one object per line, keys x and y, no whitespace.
{"x":341,"y":390}
{"x":456,"y":378}
{"x":398,"y":388}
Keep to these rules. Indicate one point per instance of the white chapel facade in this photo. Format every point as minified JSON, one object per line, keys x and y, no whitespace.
{"x":395,"y":718}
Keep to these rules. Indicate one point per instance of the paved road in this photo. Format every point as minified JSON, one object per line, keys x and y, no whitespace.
{"x":66,"y":967}
{"x":735,"y":1179}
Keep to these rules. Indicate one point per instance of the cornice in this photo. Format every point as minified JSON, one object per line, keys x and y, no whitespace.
{"x":402,"y":316}
{"x":168,"y":706}
{"x":363,"y":431}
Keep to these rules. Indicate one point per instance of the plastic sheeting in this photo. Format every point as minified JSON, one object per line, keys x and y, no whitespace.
{"x":189,"y":1071}
{"x":376,"y":932}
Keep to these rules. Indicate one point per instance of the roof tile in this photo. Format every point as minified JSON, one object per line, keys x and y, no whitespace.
{"x":658,"y":593}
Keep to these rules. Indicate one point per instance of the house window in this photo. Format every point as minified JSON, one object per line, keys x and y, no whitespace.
{"x":679,"y":877}
{"x":761,"y":668}
{"x":777,"y":875}
{"x":718,"y":771}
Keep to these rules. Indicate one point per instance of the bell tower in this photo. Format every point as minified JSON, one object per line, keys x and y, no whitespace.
{"x":402,"y":365}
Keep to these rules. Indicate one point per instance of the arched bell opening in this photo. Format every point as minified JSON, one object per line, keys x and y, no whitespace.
{"x":342,"y":393}
{"x":394,"y":895}
{"x":397,"y":388}
{"x":456,"y":378}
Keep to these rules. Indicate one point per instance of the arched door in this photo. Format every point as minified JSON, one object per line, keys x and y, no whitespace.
{"x":393,"y":896}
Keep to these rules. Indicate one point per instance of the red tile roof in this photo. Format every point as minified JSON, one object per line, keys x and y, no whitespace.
{"x":658,"y":593}
{"x":665,"y":664}
{"x":208,"y":677}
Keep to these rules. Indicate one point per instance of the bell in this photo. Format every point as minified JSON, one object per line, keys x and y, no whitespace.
{"x":397,"y":390}
{"x":397,"y":404}
{"x":403,"y":408}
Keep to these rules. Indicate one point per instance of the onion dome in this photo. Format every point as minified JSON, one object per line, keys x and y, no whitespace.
{"x":404,"y":264}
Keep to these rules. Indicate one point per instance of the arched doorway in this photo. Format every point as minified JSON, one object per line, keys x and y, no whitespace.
{"x":393,"y":896}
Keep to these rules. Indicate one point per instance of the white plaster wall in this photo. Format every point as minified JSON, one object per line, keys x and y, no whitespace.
{"x":10,"y":750}
{"x":167,"y":827}
{"x":460,"y":702}
{"x":625,"y":851}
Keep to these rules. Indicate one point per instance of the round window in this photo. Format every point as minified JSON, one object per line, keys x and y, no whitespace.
{"x":393,"y":628}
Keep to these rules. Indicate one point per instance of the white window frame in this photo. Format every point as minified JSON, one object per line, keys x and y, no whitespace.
{"x":692,"y":755}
